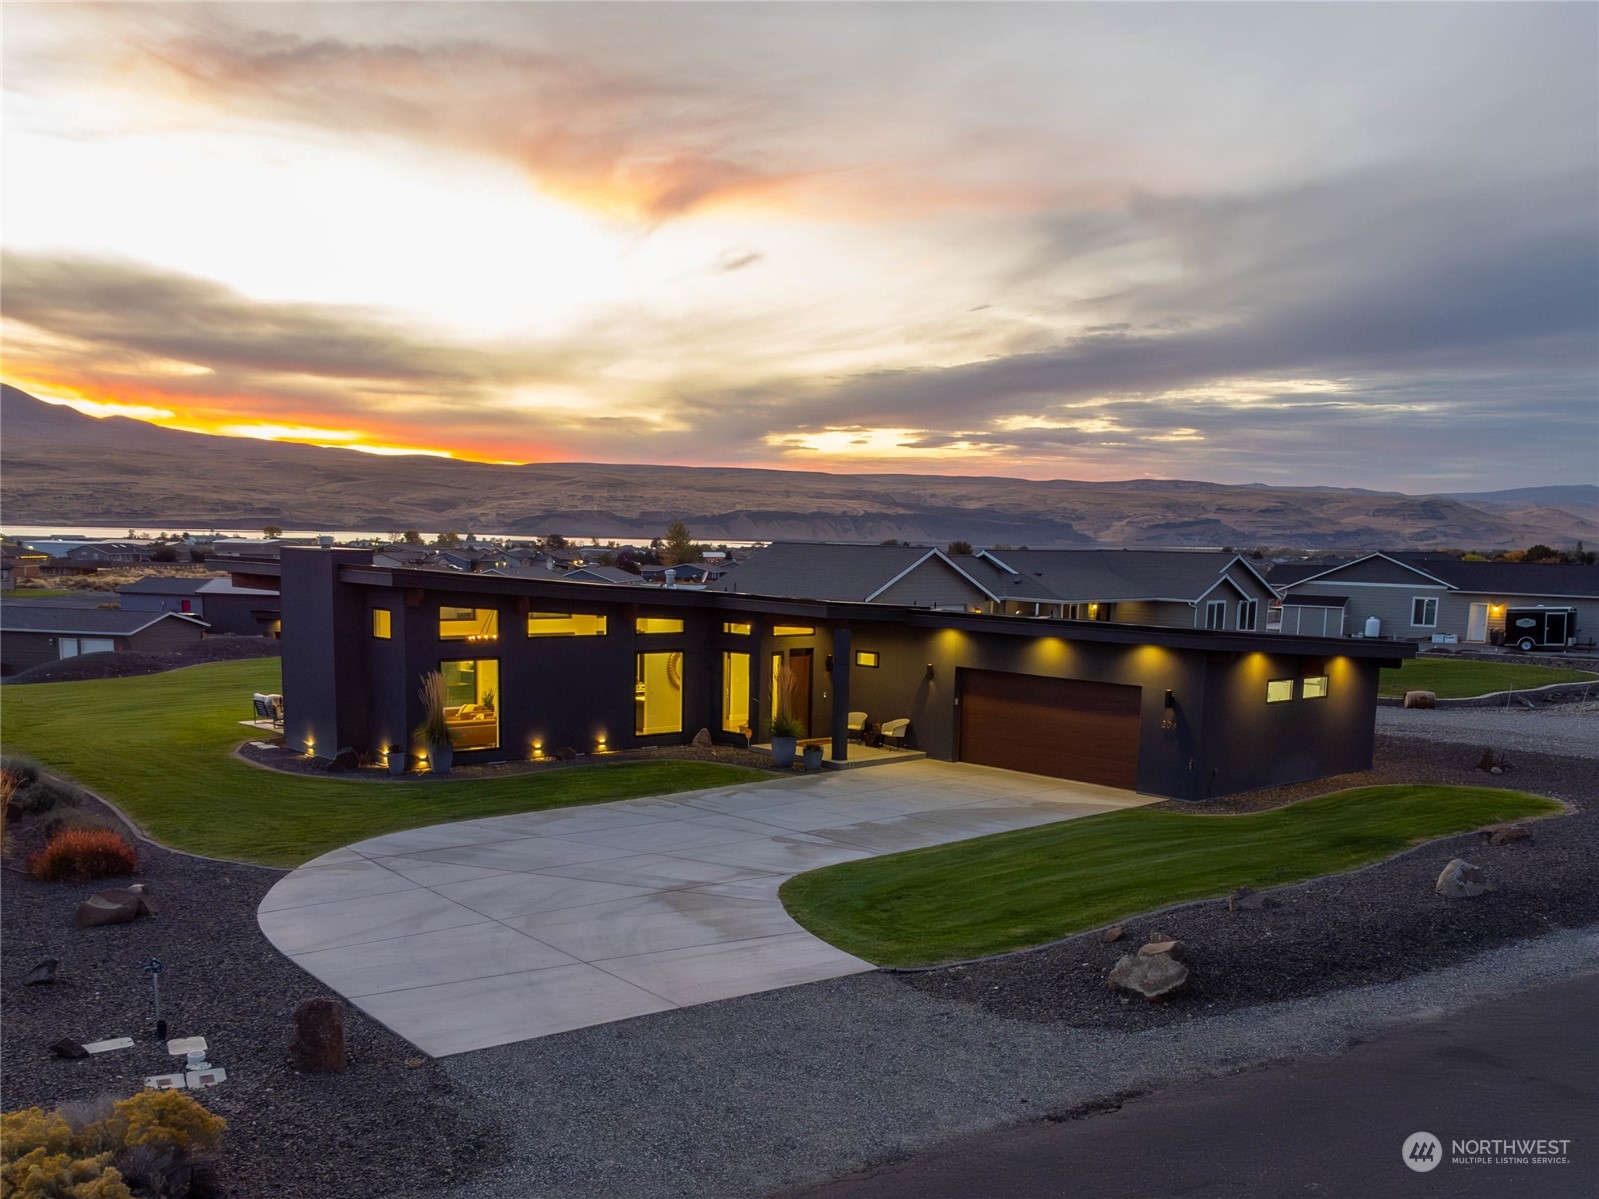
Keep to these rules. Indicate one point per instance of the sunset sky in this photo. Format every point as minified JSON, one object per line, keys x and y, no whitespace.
{"x":1354,"y":245}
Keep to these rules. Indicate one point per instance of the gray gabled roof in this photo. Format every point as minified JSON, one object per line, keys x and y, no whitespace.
{"x":1532,"y":580}
{"x":154,"y":585}
{"x":601,"y":574}
{"x":1088,"y":576}
{"x":823,"y":571}
{"x":1571,"y":581}
{"x":88,"y":622}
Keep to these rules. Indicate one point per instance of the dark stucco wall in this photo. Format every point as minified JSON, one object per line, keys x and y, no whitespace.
{"x":324,"y":667}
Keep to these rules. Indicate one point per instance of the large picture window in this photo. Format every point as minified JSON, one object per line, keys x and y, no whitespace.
{"x":564,"y":624}
{"x":472,"y":702}
{"x":1424,"y":612}
{"x":468,"y":624}
{"x":658,"y":694}
{"x":735,"y":692}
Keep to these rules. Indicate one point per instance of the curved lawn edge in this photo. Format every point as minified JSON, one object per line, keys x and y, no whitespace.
{"x":1017,"y":891}
{"x":159,"y":749}
{"x":1450,"y":678}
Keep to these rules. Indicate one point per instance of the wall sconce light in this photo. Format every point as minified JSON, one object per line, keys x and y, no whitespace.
{"x":930,"y":672}
{"x":310,"y":744}
{"x":1168,"y":720}
{"x":599,"y":745}
{"x":538,"y":751}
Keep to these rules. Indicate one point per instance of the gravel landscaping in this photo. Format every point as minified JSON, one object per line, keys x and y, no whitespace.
{"x":133,"y":662}
{"x":274,"y":756}
{"x":746,"y":1095}
{"x":391,"y":1119}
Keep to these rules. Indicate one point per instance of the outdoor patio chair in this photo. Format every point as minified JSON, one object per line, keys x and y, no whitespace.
{"x":857,"y":726}
{"x":894,"y":732}
{"x":268,"y":708}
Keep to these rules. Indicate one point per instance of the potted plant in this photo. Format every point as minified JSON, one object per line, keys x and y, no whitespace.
{"x":396,"y":758}
{"x":785,"y":738}
{"x":813,"y":757}
{"x":434,"y":731}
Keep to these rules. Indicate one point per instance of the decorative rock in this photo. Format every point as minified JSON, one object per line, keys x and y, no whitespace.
{"x":702,"y":739}
{"x":1156,"y":978}
{"x":344,"y":761}
{"x":1159,"y":947}
{"x":566,"y":753}
{"x":1247,"y":899}
{"x":68,"y":1048}
{"x":120,"y":905}
{"x":44,"y":972}
{"x":1461,"y":880}
{"x":1500,"y":834}
{"x":1420,"y":699}
{"x":318,"y":1043}
{"x":1115,"y":933}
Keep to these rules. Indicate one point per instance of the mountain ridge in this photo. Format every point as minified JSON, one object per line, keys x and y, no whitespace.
{"x":63,"y":467}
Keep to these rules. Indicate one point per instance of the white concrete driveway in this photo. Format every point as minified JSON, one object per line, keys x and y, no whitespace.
{"x":462,"y":936}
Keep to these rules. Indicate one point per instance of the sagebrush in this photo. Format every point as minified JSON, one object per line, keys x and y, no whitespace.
{"x":154,"y":1141}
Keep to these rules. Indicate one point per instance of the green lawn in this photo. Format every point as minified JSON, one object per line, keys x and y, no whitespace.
{"x":36,"y":593}
{"x":1035,"y":885}
{"x":160,"y":747}
{"x":1453,"y":678}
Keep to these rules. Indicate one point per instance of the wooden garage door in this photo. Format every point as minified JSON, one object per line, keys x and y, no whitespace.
{"x":1068,"y":728}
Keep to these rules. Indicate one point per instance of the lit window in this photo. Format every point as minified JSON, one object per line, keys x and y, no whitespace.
{"x":471,"y":703}
{"x":1315,"y":687}
{"x":866,"y":657}
{"x":658,"y":694}
{"x":657,"y":624}
{"x":1424,"y":612}
{"x":739,"y":628}
{"x":792,"y":630}
{"x":564,"y":624}
{"x":1279,"y":691}
{"x":382,"y":623}
{"x":735,"y":692}
{"x":468,"y":624}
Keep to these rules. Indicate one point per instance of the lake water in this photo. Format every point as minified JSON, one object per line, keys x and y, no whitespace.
{"x":149,"y":533}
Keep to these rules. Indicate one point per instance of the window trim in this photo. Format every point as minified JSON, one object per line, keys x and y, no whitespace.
{"x":1422,"y":601}
{"x":1280,"y":698}
{"x":1215,"y":616}
{"x":1252,"y":607}
{"x":1304,"y":686}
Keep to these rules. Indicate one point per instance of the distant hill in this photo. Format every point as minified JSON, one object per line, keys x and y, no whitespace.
{"x":60,"y":467}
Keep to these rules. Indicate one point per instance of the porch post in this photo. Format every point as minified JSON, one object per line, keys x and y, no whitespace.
{"x":842,"y":661}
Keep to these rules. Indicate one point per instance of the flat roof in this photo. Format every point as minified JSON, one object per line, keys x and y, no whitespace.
{"x":561,"y":592}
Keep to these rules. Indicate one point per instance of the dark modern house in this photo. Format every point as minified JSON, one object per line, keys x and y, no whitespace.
{"x":532,"y":666}
{"x":32,"y":632}
{"x":1421,"y":597}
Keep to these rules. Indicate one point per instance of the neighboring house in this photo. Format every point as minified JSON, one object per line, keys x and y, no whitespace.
{"x":221,"y":603}
{"x":683,"y":572}
{"x":1182,"y":589}
{"x":15,"y":567}
{"x":603,"y":574}
{"x":1421,"y":596}
{"x":469,"y":559}
{"x":1174,"y":589}
{"x":915,"y":576}
{"x":1181,"y":712}
{"x":106,"y":553}
{"x":33,"y":632}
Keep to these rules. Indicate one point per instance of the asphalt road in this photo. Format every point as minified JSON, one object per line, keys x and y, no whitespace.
{"x":1526,"y":1067}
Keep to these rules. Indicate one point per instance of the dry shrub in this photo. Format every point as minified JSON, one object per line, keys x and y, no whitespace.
{"x":83,"y":855}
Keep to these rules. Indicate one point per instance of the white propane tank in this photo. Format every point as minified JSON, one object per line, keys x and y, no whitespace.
{"x":1373,"y":627}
